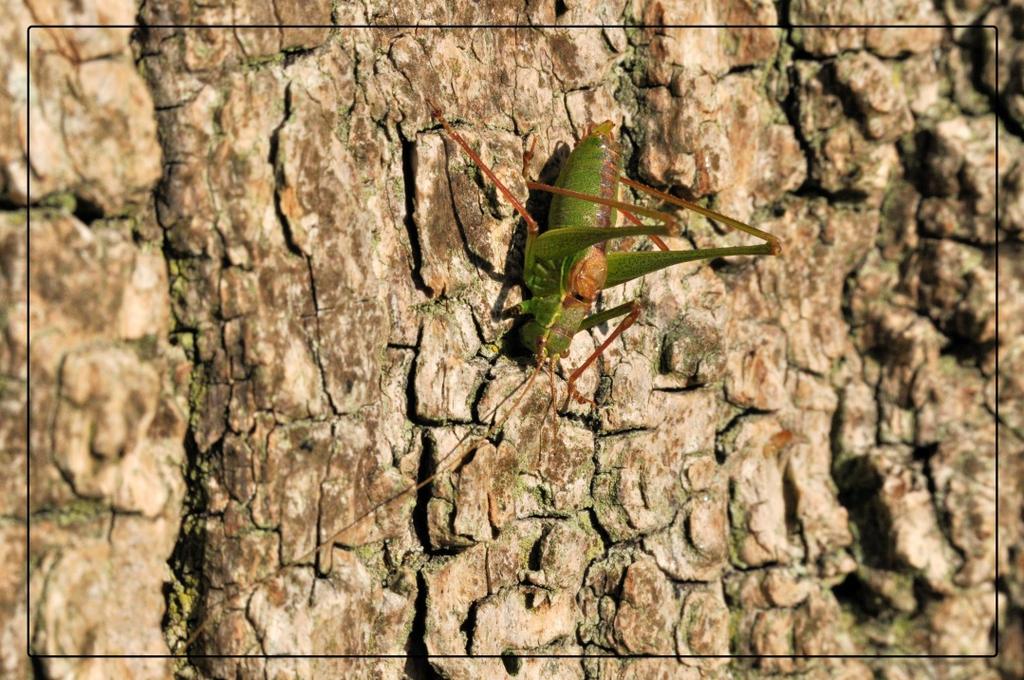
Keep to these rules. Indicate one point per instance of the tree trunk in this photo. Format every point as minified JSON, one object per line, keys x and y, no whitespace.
{"x":270,"y":297}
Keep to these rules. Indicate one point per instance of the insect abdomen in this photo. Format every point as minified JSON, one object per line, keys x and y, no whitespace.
{"x":592,"y":168}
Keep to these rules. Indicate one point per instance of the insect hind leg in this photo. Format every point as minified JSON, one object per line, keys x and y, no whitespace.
{"x":772,"y":240}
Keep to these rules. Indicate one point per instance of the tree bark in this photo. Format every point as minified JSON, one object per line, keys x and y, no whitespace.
{"x":268,"y":297}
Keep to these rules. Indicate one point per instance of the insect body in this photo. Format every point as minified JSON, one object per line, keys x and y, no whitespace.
{"x":565,"y":286}
{"x":568,"y":265}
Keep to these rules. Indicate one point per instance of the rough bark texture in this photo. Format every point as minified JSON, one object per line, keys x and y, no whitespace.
{"x":266,"y":294}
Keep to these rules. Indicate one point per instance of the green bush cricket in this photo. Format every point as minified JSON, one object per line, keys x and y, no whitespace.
{"x":568,"y":265}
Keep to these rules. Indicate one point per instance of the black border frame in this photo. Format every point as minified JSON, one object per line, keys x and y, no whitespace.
{"x":790,"y":27}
